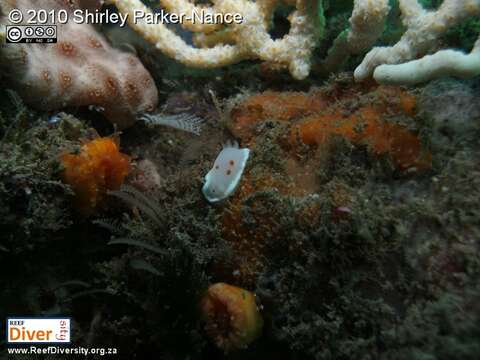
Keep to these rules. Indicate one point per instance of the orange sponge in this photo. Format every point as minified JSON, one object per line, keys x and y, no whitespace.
{"x":365,"y":126}
{"x":231,"y":315}
{"x":99,"y":167}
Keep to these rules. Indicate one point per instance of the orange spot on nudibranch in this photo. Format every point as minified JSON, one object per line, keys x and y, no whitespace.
{"x":231,"y":162}
{"x":229,"y":172}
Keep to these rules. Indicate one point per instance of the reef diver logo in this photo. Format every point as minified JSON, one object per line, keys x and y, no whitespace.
{"x":38,"y":330}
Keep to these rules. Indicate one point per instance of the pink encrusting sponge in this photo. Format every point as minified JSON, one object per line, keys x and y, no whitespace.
{"x":81,"y":69}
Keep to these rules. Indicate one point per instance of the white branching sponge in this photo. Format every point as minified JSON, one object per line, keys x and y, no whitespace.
{"x":366,"y":25}
{"x":398,"y":64}
{"x":221,"y":44}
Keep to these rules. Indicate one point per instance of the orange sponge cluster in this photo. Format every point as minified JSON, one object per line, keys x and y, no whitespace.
{"x":303,"y":132}
{"x":280,"y":106}
{"x":366,"y":125}
{"x":361,"y":115}
{"x":99,"y":167}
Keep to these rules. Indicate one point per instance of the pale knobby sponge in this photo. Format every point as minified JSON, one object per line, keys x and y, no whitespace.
{"x":232,"y":318}
{"x":398,"y":64}
{"x":81,"y":69}
{"x":221,"y":44}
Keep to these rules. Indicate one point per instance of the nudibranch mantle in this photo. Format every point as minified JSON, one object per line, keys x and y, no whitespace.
{"x":222,"y":180}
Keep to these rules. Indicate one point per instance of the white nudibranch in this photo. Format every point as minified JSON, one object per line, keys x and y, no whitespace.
{"x":223,"y":178}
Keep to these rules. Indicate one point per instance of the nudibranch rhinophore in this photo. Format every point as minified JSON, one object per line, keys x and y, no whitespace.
{"x":223,"y":178}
